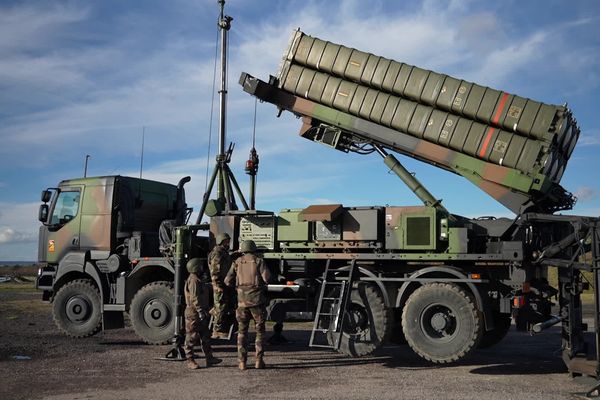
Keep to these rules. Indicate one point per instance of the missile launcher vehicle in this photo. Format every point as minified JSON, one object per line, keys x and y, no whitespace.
{"x":363,"y":274}
{"x":450,"y":284}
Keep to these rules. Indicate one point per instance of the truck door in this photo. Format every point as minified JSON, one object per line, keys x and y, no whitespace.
{"x":64,"y":224}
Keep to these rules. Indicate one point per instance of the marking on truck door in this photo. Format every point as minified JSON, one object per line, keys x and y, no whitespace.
{"x":51,"y":246}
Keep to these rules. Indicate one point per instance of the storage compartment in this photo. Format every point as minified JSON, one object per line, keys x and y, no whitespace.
{"x":411,"y":228}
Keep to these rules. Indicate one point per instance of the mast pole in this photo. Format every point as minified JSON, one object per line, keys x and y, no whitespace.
{"x":224,"y":26}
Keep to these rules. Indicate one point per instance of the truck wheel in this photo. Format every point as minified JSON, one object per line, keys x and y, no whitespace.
{"x":76,"y":309}
{"x":501,"y":328}
{"x":152,"y":312}
{"x":366,"y":323}
{"x":441,"y":323}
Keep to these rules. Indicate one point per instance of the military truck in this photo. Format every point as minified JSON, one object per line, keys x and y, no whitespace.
{"x":100,"y":243}
{"x":443,"y":283}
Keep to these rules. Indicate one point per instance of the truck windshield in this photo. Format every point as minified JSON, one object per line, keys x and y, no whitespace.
{"x":66,"y":208}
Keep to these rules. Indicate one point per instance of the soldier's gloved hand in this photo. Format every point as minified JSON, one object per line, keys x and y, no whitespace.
{"x":202,"y":315}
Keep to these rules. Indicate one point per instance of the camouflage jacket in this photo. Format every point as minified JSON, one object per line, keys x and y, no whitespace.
{"x":197,"y":298}
{"x":251,"y":276}
{"x":219,"y":262}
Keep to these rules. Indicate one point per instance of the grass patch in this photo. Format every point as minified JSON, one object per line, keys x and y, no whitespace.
{"x":18,"y":286}
{"x":20,"y":270}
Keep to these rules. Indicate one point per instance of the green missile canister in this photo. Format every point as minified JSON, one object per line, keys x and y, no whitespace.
{"x":425,"y":122}
{"x":551,"y":124}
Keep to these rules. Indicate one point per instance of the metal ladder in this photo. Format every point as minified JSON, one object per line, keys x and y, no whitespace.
{"x":332,"y":306}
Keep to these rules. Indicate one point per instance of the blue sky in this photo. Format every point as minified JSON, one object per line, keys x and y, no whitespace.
{"x":83,"y":77}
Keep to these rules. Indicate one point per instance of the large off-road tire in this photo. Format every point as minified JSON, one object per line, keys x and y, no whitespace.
{"x":441,"y":323}
{"x":152,"y":312}
{"x":76,"y":309}
{"x":501,"y":327}
{"x":367,"y":322}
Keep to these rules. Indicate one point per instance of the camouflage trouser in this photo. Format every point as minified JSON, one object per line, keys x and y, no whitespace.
{"x":223,"y":304}
{"x":196,"y":330}
{"x":244,"y":315}
{"x":219,"y":310}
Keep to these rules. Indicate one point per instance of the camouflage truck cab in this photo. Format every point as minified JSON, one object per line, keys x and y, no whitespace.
{"x":100,"y":246}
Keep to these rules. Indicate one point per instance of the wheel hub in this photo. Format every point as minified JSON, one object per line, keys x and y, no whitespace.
{"x":356,"y":319}
{"x":78,"y":309}
{"x":439,"y":321}
{"x":156,"y":313}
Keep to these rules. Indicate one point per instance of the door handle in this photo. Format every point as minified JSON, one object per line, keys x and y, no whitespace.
{"x":75,"y":241}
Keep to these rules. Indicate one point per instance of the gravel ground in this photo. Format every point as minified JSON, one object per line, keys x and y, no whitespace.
{"x":115,"y":365}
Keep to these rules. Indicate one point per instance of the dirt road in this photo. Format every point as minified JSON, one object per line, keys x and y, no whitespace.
{"x":37,"y":362}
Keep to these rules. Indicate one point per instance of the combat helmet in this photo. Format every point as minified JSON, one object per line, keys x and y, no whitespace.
{"x":248,"y":246}
{"x":194,"y":265}
{"x":221,"y":237}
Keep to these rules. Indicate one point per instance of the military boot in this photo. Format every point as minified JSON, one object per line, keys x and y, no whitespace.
{"x":211,"y":360}
{"x":242,"y":365}
{"x":260,"y":364}
{"x":191,"y":364}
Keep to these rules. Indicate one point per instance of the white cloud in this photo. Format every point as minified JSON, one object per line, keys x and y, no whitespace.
{"x":30,"y":28}
{"x":590,"y":137}
{"x":9,"y":235}
{"x":585,"y":193}
{"x":18,"y":222}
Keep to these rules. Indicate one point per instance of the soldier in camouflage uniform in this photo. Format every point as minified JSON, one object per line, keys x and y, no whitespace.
{"x":219,"y":262}
{"x":250,"y":276}
{"x":196,"y":316}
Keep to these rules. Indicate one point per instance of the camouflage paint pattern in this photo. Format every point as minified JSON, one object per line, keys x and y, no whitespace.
{"x":243,"y":316}
{"x":90,"y":229}
{"x":196,"y":316}
{"x":516,"y":190}
{"x":549,"y":123}
{"x":196,"y":331}
{"x":93,"y":228}
{"x":424,"y":122}
{"x":219,"y":263}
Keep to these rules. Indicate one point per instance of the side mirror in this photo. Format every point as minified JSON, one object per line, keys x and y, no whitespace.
{"x":43,"y":213}
{"x":46,"y":196}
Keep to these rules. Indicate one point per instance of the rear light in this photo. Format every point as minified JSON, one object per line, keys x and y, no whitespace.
{"x":519,"y":301}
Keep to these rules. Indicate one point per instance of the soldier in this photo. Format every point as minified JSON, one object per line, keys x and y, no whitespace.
{"x":196,"y":316}
{"x":250,"y":276}
{"x":219,"y":263}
